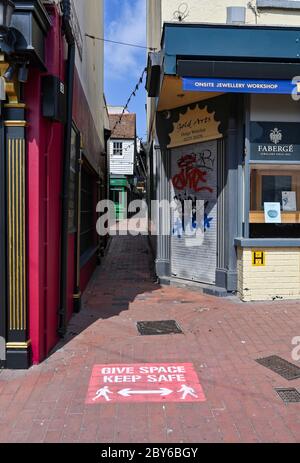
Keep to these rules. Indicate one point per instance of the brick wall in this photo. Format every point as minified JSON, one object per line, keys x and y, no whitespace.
{"x":278,"y":279}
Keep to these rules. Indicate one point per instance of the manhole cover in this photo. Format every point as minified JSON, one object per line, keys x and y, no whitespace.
{"x":280,"y":366}
{"x":288,"y":395}
{"x":158,"y":328}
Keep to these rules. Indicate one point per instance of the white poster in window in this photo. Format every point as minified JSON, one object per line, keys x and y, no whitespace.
{"x":289,"y":202}
{"x":272,"y":213}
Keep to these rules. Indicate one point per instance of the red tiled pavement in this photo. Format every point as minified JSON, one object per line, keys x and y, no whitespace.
{"x":222,"y":338}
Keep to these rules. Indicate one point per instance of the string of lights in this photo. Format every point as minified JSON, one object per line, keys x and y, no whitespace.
{"x":120,"y":43}
{"x":133,"y":94}
{"x":136,"y":88}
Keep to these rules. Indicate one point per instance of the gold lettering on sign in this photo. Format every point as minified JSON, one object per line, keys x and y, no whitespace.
{"x":196,"y":125}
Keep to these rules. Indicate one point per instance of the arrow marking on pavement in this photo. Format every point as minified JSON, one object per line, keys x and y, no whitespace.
{"x":162,"y":392}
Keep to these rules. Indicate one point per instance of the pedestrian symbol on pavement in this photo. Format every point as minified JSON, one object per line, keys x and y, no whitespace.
{"x":187,"y":391}
{"x":170,"y":382}
{"x":103,"y":393}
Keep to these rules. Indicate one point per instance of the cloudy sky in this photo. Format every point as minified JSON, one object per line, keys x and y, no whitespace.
{"x":125,"y":21}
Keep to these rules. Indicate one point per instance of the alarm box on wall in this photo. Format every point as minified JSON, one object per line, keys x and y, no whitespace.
{"x":53,"y":99}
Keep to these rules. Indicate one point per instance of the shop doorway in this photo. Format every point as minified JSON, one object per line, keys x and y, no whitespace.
{"x":118,"y":196}
{"x":194,"y":177}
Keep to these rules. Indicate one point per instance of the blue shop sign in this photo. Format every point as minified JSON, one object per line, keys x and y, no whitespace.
{"x":281,"y":87}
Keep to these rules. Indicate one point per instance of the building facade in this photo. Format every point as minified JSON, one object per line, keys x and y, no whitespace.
{"x":223,"y":124}
{"x":122,"y":158}
{"x":54,"y":127}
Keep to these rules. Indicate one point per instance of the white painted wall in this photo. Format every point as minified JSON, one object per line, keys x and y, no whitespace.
{"x":117,"y":110}
{"x":154,"y":22}
{"x":214,"y":11}
{"x":122,"y":165}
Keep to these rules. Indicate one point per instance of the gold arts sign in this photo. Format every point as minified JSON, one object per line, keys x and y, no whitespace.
{"x":195,"y":126}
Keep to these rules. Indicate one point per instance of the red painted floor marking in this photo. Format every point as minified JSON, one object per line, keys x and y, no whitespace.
{"x":163,"y":382}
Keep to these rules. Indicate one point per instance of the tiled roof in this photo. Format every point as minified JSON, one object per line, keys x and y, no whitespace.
{"x":126,"y":128}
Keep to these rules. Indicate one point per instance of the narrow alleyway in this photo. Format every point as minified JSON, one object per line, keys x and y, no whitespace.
{"x":221,"y":338}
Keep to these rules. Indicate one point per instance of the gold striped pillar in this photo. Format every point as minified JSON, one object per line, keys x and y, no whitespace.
{"x":18,"y":352}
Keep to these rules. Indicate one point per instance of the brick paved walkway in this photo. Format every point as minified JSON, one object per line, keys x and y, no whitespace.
{"x":222,"y":338}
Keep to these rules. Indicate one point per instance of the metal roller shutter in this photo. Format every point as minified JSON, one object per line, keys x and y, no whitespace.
{"x":194,"y":178}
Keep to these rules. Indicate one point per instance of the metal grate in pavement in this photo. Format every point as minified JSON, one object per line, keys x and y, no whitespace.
{"x":280,"y":366}
{"x":288,"y":395}
{"x":157,"y":328}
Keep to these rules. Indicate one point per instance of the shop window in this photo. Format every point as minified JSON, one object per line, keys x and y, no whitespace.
{"x":275,"y":201}
{"x":88,"y":226}
{"x":75,"y":147}
{"x":118,"y":149}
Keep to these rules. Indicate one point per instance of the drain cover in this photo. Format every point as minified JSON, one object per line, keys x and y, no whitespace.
{"x":158,"y":328}
{"x":289,"y":395}
{"x":280,"y":366}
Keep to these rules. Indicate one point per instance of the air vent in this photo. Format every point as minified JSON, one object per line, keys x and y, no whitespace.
{"x":280,"y":366}
{"x":158,"y":328}
{"x":236,"y":15}
{"x":288,"y":395}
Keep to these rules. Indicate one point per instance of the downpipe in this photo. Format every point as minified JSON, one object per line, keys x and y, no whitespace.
{"x":62,"y":323}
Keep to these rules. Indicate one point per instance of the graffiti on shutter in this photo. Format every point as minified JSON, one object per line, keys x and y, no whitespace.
{"x":194,"y":223}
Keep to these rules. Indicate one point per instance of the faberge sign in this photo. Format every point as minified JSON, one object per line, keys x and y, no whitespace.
{"x":275,"y":141}
{"x":195,"y":126}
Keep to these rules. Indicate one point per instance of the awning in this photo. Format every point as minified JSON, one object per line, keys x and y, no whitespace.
{"x":217,"y":58}
{"x":212,"y":44}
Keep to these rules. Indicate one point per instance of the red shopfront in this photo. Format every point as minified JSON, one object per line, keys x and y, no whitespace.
{"x":38,"y":306}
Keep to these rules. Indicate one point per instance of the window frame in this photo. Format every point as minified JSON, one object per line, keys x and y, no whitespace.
{"x":247,"y":164}
{"x":269,"y":169}
{"x":118,"y":152}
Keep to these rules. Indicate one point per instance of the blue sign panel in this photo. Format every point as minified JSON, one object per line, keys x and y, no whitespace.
{"x":275,"y":141}
{"x":281,"y":87}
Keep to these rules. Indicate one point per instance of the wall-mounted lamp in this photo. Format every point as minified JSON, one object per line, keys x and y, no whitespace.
{"x":9,"y":73}
{"x":7,"y":8}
